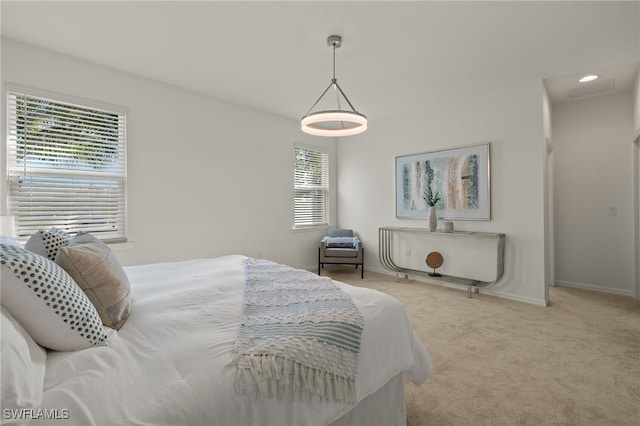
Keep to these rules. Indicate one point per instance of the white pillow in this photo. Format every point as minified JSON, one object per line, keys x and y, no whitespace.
{"x":47,"y":243}
{"x":47,"y":302}
{"x":9,"y":241}
{"x":23,"y":365}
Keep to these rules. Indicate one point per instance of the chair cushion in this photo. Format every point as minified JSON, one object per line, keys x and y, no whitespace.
{"x":341,"y":252}
{"x":341,"y":233}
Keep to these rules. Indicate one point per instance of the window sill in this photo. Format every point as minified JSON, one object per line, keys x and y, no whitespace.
{"x":128,"y":245}
{"x":311,"y":228}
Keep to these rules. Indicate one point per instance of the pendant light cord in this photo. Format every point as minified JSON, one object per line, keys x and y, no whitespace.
{"x":334,"y":82}
{"x":336,"y":86}
{"x":334,"y":61}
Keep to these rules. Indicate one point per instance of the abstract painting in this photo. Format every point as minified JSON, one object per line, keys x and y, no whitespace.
{"x":459,"y":176}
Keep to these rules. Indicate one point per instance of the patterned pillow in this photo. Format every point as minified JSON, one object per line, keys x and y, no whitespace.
{"x":10,"y":241}
{"x":47,"y":243}
{"x":47,"y":302}
{"x":96,"y":269}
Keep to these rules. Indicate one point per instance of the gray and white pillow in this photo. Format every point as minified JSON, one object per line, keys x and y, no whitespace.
{"x":10,"y":241}
{"x":46,"y":301}
{"x":47,"y":243}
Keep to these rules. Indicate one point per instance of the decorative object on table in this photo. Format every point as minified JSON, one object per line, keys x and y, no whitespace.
{"x":447,"y":226}
{"x":460,"y":175}
{"x":334,"y":121}
{"x":432,"y":200}
{"x":434,"y":260}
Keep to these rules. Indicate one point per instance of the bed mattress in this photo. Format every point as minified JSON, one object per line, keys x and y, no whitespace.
{"x":168,"y":365}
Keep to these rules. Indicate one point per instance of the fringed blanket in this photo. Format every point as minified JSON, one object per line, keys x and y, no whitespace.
{"x":298,"y":332}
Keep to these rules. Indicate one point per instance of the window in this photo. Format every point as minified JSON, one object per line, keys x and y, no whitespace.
{"x":311,"y":188}
{"x":66,"y":166}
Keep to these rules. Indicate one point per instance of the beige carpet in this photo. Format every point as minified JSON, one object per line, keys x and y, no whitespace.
{"x":500,"y":362}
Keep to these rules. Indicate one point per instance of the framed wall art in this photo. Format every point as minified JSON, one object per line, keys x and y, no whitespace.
{"x":460,"y":176}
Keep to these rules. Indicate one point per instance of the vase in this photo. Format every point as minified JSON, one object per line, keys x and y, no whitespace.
{"x":433,"y":219}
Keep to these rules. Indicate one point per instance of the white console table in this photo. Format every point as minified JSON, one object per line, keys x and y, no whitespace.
{"x":385,"y":245}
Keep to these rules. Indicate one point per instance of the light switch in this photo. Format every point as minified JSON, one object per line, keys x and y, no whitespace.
{"x":613,"y":210}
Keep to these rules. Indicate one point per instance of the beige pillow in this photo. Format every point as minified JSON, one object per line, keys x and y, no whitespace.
{"x":95,"y":268}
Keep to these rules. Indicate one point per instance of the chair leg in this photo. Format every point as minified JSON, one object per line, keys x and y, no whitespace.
{"x":319,"y":264}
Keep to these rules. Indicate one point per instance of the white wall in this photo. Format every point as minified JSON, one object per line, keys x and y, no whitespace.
{"x":206,"y":177}
{"x":636,"y":103}
{"x":593,"y":173}
{"x":512,"y":121}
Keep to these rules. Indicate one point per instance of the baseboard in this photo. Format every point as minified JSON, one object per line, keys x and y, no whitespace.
{"x":618,"y":291}
{"x":310,"y":268}
{"x":516,"y":298}
{"x":380,"y":271}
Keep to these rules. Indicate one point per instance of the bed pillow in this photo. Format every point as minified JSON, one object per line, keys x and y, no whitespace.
{"x":47,"y":243}
{"x":47,"y":302}
{"x":9,"y":241}
{"x":23,"y":365}
{"x":96,"y":269}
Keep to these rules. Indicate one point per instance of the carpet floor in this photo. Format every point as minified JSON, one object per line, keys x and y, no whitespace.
{"x":501,"y":362}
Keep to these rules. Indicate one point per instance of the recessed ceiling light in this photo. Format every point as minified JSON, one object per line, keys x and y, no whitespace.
{"x":588,"y":78}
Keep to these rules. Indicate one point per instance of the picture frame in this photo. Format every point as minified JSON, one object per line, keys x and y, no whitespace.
{"x":460,"y":176}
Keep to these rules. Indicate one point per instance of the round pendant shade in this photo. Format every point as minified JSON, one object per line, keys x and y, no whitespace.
{"x":334,"y":123}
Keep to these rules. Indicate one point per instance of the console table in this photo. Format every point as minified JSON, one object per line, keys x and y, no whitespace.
{"x":385,"y":244}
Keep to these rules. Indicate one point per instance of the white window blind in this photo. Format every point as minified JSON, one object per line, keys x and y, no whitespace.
{"x":66,"y":167}
{"x":311,"y":187}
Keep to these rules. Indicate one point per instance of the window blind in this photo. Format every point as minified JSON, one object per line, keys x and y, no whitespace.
{"x":66,"y":167}
{"x":311,"y":187}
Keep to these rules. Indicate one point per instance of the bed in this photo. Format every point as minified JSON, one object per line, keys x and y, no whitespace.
{"x":169,"y":363}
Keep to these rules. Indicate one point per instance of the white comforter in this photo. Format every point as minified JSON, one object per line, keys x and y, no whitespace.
{"x":167,"y":365}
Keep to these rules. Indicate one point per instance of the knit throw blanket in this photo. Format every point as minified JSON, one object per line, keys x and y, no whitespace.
{"x":299,"y":332}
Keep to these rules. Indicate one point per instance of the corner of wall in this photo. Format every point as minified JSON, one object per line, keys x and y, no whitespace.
{"x":636,"y":107}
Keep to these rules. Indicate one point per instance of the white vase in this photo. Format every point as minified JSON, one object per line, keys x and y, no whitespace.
{"x":433,"y":219}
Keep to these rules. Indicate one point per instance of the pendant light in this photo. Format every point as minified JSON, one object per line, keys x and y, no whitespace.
{"x":334,"y":122}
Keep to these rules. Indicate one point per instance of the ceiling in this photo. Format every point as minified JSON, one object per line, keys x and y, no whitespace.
{"x":396,"y":56}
